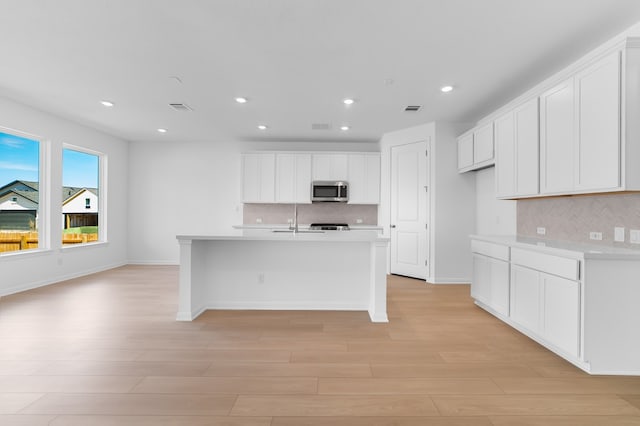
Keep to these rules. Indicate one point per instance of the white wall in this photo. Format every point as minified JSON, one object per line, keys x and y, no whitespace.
{"x":192,"y":188}
{"x":452,"y":198}
{"x":493,"y":216}
{"x":21,"y":271}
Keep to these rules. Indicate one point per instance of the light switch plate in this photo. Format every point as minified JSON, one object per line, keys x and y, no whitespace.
{"x":540,"y":230}
{"x":634,"y":236}
{"x":595,"y":236}
{"x":618,"y":234}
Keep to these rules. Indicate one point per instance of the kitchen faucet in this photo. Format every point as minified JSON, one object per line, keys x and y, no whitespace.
{"x":294,"y":226}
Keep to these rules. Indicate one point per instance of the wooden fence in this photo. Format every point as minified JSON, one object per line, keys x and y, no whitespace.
{"x":14,"y":241}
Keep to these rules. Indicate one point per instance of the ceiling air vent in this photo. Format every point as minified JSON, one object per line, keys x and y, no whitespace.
{"x":320,"y":126}
{"x":181,"y":107}
{"x":412,"y":108}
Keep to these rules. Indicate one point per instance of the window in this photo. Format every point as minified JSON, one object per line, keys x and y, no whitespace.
{"x":20,"y":197}
{"x":80,"y":197}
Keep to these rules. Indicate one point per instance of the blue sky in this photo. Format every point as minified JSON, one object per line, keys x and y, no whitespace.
{"x":19,"y":160}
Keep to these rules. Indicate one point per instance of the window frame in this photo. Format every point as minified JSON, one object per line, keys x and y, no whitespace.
{"x":102,"y":191}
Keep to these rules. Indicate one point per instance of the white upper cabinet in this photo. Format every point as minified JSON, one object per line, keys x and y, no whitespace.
{"x":598,"y":125}
{"x":517,"y":146}
{"x":258,"y":177}
{"x":557,"y":138}
{"x":483,"y":144}
{"x":285,"y":177}
{"x":293,"y":178}
{"x":465,"y":152}
{"x":364,"y":178}
{"x":476,"y":149}
{"x":330,"y":166}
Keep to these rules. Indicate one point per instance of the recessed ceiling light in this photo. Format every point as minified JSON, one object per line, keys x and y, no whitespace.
{"x":262,"y":127}
{"x":344,"y":128}
{"x":107,"y":103}
{"x":162,"y":130}
{"x":446,"y":89}
{"x":241,"y":100}
{"x":348,"y":101}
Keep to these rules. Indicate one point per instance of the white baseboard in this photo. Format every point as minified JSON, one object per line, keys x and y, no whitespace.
{"x":57,"y":279}
{"x":153,"y":262}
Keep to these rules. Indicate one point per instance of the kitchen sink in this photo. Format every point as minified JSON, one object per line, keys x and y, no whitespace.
{"x":300,"y":231}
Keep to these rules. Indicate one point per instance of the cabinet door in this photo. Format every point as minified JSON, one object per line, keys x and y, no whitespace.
{"x":258,"y":178}
{"x":598,"y":90}
{"x":561,"y":313}
{"x":527,"y":148}
{"x":481,"y":281}
{"x":557,"y":138}
{"x":465,"y":151}
{"x":500,"y":286}
{"x":525,"y":297}
{"x":285,"y":178}
{"x":364,"y":178}
{"x":303,"y":178}
{"x":330,"y":167}
{"x":505,"y":156}
{"x":483,"y":144}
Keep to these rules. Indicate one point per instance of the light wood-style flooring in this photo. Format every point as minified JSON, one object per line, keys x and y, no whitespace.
{"x":105,"y":350}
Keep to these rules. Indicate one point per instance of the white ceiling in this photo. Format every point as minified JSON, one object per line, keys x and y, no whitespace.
{"x":294,"y":59}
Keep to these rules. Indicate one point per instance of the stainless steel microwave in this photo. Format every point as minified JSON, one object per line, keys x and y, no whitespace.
{"x":329,"y":191}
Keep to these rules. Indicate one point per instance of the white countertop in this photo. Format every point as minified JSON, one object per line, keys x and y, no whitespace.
{"x":305,"y":227}
{"x":268,"y":235}
{"x":562,"y":248}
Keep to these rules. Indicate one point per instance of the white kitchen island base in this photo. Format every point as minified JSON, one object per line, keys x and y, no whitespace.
{"x":283,"y":271}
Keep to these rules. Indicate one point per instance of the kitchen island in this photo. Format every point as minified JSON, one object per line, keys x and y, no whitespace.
{"x":261,"y":269}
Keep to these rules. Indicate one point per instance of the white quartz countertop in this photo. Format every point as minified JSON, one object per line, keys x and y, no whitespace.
{"x":303,"y":235}
{"x":562,"y":248}
{"x":305,"y":226}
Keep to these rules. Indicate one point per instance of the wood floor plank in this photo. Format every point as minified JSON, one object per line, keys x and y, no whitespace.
{"x":363,"y":357}
{"x":462,"y":370}
{"x":68,"y":384}
{"x":12,"y":403}
{"x":159,"y":421}
{"x":406,"y":386}
{"x":565,"y":420}
{"x":527,"y":405}
{"x":289,"y":370}
{"x":24,"y":420}
{"x":228,"y":385}
{"x":132,"y":404}
{"x":323,"y":405}
{"x":632,"y":399}
{"x":579,"y":385}
{"x":215,"y":356}
{"x":381,"y":421}
{"x":119,"y":368}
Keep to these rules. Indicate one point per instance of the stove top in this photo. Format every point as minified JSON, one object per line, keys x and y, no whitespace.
{"x":329,"y":226}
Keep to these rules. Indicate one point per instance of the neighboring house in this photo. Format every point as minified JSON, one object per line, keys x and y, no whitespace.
{"x":80,"y":207}
{"x":19,"y":206}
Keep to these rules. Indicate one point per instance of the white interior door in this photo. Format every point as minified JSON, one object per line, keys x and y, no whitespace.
{"x":409,"y":210}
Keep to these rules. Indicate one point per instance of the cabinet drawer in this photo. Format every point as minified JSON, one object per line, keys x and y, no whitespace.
{"x":496,"y":251}
{"x":555,"y":265}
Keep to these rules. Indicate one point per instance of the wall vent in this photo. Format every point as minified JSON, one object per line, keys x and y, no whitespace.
{"x":181,"y":107}
{"x":413,"y":108}
{"x":320,"y":126}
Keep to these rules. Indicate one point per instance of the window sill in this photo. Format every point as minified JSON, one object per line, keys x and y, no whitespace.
{"x":84,"y":245}
{"x":24,"y":254}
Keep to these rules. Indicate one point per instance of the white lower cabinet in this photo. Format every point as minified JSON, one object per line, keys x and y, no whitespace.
{"x":490,"y":284}
{"x":561,"y":312}
{"x":525,"y":297}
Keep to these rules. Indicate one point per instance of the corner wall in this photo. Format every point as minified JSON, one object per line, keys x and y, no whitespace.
{"x":32,"y":269}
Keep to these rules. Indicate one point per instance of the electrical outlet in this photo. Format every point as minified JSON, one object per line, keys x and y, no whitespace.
{"x":258,"y":220}
{"x":289,"y":221}
{"x":541,"y":230}
{"x":618,"y":234}
{"x":358,"y":220}
{"x":595,"y":236}
{"x":634,"y":236}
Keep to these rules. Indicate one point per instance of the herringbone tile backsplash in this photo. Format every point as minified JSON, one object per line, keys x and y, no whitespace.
{"x":572,"y":218}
